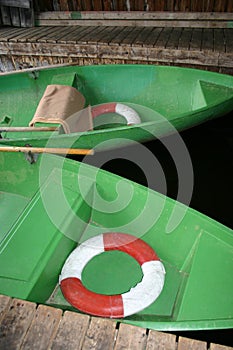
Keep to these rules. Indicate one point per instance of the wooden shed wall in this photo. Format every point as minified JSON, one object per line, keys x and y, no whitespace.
{"x":135,"y":5}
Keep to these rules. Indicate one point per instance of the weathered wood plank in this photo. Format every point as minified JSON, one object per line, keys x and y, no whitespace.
{"x":15,"y":16}
{"x":107,"y":52}
{"x":15,"y":324}
{"x":130,"y":337}
{"x":59,"y":34}
{"x":219,"y":40}
{"x":121,"y":5}
{"x":185,"y":39}
{"x":109,"y":35}
{"x":97,"y":5}
{"x":191,"y":344}
{"x":64,"y":5}
{"x":76,"y":35}
{"x":9,"y":33}
{"x":161,"y":341}
{"x":107,"y":5}
{"x":196,"y":5}
{"x":121,"y":35}
{"x":225,"y":60}
{"x":71,"y":332}
{"x":219,"y":347}
{"x":164,"y":37}
{"x":25,"y":327}
{"x":53,"y":35}
{"x":142,"y":36}
{"x":151,"y":40}
{"x":88,"y":5}
{"x":151,"y":5}
{"x":178,"y":46}
{"x":25,"y":34}
{"x":159,"y":54}
{"x":174,"y":39}
{"x":49,"y":33}
{"x":196,"y":41}
{"x":138,"y":15}
{"x":196,"y":58}
{"x":170,"y":5}
{"x":135,"y":23}
{"x":220,"y":6}
{"x":7,"y":63}
{"x":16,"y":3}
{"x":229,"y":6}
{"x":139,"y":5}
{"x":100,"y":334}
{"x":208,"y":39}
{"x":4,"y":305}
{"x":103,"y":36}
{"x":7,"y":30}
{"x":42,"y":329}
{"x":5,"y":15}
{"x":229,"y":40}
{"x":26,"y":17}
{"x":90,"y":35}
{"x":130,"y":37}
{"x":208,"y":5}
{"x":138,"y":54}
{"x":34,"y":36}
{"x":184,"y":5}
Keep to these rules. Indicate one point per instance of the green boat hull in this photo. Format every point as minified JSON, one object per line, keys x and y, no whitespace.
{"x":166,"y":98}
{"x":50,"y":206}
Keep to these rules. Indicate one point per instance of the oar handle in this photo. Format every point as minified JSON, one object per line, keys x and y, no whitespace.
{"x":27,"y":128}
{"x":77,"y":151}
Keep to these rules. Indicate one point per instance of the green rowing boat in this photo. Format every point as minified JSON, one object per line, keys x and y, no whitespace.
{"x":166,"y":99}
{"x":51,"y":205}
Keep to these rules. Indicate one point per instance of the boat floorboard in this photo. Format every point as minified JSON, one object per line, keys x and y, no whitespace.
{"x":205,"y":48}
{"x":26,"y":325}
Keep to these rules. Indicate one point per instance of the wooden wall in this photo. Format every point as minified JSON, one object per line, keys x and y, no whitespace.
{"x":17,"y":13}
{"x":135,"y":5}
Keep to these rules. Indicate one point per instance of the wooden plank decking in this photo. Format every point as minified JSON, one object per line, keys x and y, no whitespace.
{"x":205,"y":48}
{"x":25,"y":325}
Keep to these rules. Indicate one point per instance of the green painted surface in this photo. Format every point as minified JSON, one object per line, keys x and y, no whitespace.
{"x":111,"y":273}
{"x":14,"y":203}
{"x":58,"y":207}
{"x":165,"y":98}
{"x":76,"y":15}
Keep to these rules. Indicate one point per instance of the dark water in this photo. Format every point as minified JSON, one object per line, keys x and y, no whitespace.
{"x":210,"y":146}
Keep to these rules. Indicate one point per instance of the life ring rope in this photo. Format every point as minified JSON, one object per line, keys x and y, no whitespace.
{"x":125,"y":111}
{"x":114,"y":306}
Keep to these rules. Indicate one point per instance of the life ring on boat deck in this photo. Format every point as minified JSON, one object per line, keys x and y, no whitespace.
{"x":125,"y":111}
{"x":113,"y":306}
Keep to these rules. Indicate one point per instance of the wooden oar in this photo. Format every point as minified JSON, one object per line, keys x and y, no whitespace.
{"x":77,"y":151}
{"x":27,"y":128}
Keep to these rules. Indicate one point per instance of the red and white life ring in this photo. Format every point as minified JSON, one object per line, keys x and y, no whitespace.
{"x":113,"y":306}
{"x":125,"y":111}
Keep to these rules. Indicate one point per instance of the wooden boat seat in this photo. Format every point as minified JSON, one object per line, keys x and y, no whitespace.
{"x":17,"y":203}
{"x":203,"y":275}
{"x":51,"y":239}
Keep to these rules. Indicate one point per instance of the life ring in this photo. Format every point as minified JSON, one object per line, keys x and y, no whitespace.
{"x":113,"y":306}
{"x":125,"y":111}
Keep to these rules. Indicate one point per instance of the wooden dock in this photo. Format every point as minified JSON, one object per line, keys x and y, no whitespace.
{"x":26,"y":325}
{"x":205,"y":48}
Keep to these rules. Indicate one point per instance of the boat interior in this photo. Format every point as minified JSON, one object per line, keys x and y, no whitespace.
{"x":56,"y":203}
